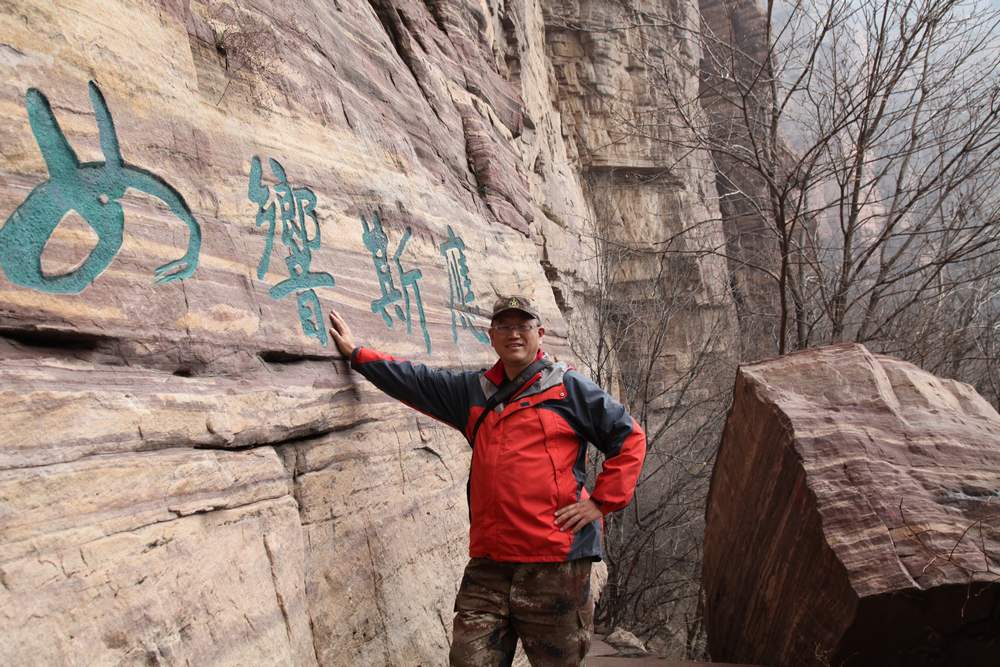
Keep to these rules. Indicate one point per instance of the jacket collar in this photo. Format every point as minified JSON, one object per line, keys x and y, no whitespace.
{"x":496,"y":374}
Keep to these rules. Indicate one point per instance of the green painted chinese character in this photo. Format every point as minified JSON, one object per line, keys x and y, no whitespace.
{"x":297,"y":209}
{"x":92,"y":189}
{"x":460,"y":294}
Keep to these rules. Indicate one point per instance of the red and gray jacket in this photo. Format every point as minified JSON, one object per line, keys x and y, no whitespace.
{"x":530,"y":454}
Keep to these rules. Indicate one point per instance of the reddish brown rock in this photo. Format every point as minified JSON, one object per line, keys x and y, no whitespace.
{"x":854,"y":517}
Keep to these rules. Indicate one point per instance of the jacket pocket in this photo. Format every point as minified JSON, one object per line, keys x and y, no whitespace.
{"x":562,"y":447}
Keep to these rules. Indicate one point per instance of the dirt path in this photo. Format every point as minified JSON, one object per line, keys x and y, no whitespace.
{"x":603,"y":655}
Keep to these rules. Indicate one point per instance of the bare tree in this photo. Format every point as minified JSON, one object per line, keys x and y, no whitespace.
{"x":864,"y":136}
{"x":954,"y":329}
{"x":645,"y":302}
{"x":855,"y":144}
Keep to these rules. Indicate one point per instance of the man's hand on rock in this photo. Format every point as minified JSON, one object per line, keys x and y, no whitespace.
{"x":341,"y":334}
{"x":576,"y":516}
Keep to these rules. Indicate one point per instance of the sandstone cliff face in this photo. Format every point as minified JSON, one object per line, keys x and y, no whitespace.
{"x":187,"y":470}
{"x":617,"y":64}
{"x":853,"y":517}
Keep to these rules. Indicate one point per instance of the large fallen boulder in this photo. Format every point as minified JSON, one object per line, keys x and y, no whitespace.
{"x":854,"y":517}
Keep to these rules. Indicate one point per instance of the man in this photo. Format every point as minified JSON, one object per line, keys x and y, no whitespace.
{"x":534,"y":530}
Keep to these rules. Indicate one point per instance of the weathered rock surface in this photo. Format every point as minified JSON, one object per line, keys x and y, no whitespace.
{"x":854,"y":517}
{"x":352,"y":507}
{"x":625,"y":643}
{"x":188,"y":473}
{"x":617,"y":65}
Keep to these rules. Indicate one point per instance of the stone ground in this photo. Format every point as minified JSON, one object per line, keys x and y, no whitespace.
{"x":603,"y":655}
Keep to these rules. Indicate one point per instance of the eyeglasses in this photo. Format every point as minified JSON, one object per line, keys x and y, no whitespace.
{"x":511,"y":328}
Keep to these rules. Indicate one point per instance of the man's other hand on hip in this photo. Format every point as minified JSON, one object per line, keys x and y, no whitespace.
{"x":576,"y":516}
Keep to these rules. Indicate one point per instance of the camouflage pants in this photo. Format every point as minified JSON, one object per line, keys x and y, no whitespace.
{"x":547,"y":605}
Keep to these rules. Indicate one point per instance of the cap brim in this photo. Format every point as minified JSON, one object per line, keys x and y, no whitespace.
{"x":530,"y":314}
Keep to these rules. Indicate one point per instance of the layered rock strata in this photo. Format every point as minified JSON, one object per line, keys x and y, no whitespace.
{"x":189,"y":474}
{"x":853,"y":516}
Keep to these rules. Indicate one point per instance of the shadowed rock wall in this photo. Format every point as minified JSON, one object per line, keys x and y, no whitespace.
{"x":187,"y":470}
{"x":736,"y":50}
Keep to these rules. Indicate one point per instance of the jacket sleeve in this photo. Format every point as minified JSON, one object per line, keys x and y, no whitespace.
{"x":443,"y":395}
{"x":610,"y":428}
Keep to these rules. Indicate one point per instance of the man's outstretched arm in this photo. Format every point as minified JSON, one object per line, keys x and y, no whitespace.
{"x":443,"y":395}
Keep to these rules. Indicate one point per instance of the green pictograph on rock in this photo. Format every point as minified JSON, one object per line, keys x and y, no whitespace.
{"x":92,"y":189}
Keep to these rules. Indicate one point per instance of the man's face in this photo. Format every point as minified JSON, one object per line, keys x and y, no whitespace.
{"x":516,"y":347}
